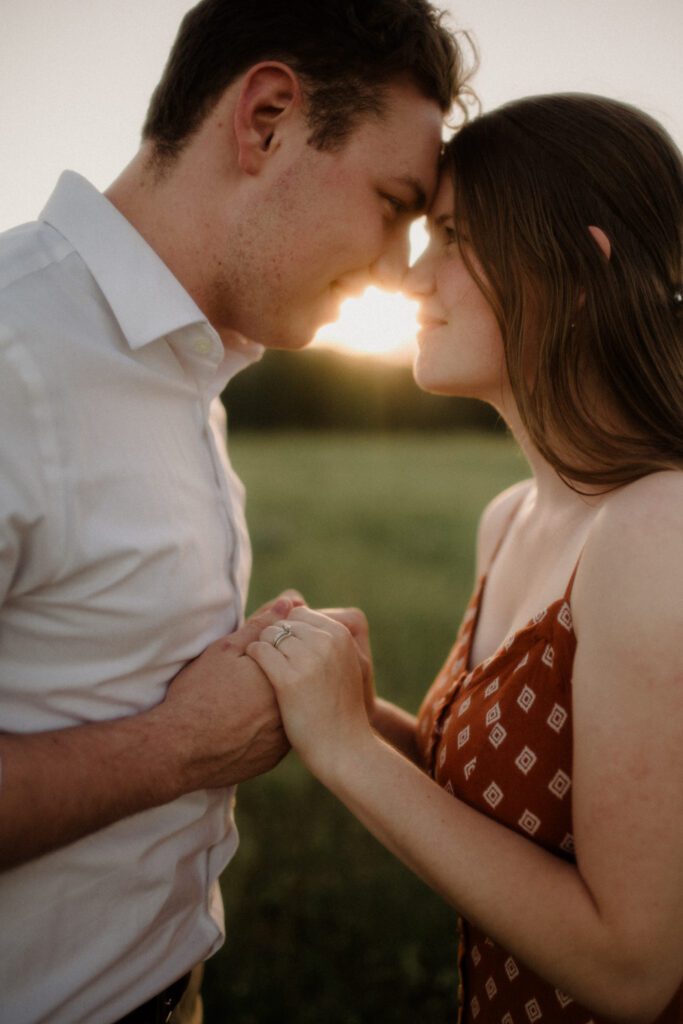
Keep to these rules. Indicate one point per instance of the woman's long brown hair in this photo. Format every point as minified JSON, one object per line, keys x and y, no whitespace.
{"x":593,"y":345}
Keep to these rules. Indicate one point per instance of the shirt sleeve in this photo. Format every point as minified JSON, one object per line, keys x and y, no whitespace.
{"x":23,"y":497}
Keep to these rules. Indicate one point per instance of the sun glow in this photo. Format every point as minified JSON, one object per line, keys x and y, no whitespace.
{"x":378,"y":323}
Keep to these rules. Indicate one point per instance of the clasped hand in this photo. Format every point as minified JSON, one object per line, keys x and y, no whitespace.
{"x":320,"y":672}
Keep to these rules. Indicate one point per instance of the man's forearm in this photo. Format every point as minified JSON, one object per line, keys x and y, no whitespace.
{"x":58,"y":786}
{"x":219,"y":725}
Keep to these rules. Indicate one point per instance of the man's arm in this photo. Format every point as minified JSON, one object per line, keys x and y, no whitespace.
{"x":218,"y":725}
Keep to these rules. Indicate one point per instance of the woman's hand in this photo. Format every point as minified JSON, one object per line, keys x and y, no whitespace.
{"x":317,"y":676}
{"x":357,"y":625}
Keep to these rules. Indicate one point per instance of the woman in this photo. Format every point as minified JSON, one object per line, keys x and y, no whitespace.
{"x":554,"y":733}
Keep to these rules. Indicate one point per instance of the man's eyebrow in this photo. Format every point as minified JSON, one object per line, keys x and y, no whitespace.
{"x":419,"y":203}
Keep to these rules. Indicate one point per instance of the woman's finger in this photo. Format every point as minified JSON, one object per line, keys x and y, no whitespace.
{"x":280,"y":633}
{"x":318,"y":620}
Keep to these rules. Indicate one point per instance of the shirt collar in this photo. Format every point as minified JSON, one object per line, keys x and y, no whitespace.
{"x":147,"y":300}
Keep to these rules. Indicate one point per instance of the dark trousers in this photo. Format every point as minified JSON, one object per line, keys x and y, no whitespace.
{"x":180,"y":1003}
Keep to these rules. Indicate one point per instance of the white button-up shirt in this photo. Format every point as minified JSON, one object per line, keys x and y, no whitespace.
{"x":123,"y":554}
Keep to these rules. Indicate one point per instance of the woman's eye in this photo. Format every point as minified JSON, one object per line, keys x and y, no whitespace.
{"x":450,"y":236}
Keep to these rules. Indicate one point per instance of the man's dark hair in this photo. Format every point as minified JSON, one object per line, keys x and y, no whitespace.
{"x":345,"y":52}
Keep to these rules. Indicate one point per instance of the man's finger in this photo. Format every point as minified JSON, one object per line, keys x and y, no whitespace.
{"x":292,"y":595}
{"x":252,"y":628}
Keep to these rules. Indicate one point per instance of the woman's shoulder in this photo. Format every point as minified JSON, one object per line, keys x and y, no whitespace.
{"x":640,"y":517}
{"x":633,"y":558}
{"x":496,"y":517}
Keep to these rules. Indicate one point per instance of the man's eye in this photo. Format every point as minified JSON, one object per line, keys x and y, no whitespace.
{"x":396,"y":205}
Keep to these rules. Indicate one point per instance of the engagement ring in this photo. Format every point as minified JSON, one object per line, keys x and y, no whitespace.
{"x":285,"y":631}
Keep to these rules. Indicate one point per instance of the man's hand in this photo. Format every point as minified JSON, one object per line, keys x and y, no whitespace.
{"x":223,"y":712}
{"x":219,"y":724}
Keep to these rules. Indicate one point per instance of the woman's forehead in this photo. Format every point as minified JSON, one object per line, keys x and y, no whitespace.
{"x":443,"y":206}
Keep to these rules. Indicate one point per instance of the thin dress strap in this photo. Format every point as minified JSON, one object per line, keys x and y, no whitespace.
{"x":570,"y":585}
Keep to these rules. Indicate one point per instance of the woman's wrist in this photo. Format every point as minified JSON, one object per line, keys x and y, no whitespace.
{"x":334,"y":765}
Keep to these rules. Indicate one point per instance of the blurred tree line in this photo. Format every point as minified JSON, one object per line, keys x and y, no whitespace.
{"x":325,"y":390}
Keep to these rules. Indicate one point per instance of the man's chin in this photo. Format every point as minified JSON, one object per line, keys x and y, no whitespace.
{"x":288,"y":344}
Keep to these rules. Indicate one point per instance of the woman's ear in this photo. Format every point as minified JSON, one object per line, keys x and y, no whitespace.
{"x":601,"y":240}
{"x":269,"y":93}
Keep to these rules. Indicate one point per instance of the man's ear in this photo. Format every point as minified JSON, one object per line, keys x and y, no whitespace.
{"x":601,"y":240}
{"x":269,"y":93}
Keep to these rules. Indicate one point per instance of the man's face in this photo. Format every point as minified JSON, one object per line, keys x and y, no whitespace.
{"x":322,"y":225}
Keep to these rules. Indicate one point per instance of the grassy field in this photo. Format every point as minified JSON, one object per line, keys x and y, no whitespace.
{"x":323,"y":925}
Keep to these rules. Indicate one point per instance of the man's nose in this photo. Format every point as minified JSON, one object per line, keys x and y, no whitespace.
{"x":418,"y":280}
{"x":389,"y":269}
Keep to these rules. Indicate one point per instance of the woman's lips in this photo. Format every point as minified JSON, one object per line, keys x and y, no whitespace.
{"x":428,"y":323}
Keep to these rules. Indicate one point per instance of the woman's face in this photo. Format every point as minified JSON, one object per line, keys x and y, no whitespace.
{"x":460,"y":344}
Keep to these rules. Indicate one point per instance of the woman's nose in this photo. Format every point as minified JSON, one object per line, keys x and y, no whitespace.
{"x":418,"y":280}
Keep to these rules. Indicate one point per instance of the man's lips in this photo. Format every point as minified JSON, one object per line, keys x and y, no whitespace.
{"x":349,"y":289}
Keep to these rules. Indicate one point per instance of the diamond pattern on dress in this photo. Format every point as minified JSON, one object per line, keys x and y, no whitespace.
{"x":464,"y":706}
{"x":511,"y":726}
{"x":497,"y":735}
{"x":525,"y":760}
{"x":492,"y":687}
{"x":529,"y":822}
{"x":557,"y":718}
{"x":567,"y":843}
{"x":560,"y":784}
{"x":548,"y":656}
{"x":564,"y":617}
{"x":493,"y":795}
{"x":511,"y":969}
{"x":493,"y":714}
{"x":526,"y":698}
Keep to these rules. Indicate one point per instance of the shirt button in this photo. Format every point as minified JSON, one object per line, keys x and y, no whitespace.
{"x":202,"y":346}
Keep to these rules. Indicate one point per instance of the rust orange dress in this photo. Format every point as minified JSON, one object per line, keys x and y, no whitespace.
{"x":499,"y":737}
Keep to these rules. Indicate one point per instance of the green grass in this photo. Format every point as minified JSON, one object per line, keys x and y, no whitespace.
{"x":323,"y":925}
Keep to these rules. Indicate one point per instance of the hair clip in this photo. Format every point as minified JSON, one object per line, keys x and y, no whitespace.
{"x":678,"y":297}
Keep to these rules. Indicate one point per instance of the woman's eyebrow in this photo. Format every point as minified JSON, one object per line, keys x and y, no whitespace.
{"x":439,"y":221}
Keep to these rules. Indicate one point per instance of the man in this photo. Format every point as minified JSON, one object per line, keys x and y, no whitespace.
{"x":285,"y":152}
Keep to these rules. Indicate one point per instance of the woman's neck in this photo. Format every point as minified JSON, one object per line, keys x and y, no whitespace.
{"x":551,"y":491}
